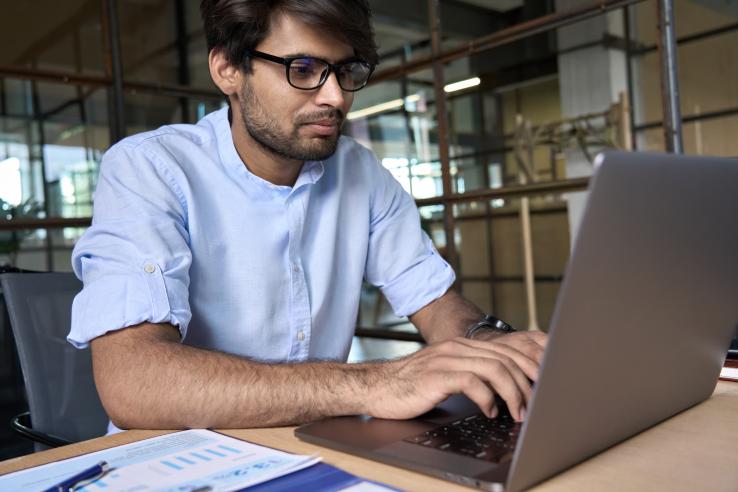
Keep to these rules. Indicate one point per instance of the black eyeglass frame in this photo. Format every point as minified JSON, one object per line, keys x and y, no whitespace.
{"x":332,"y":68}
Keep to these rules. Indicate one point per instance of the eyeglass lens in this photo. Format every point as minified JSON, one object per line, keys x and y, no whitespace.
{"x":309,"y":73}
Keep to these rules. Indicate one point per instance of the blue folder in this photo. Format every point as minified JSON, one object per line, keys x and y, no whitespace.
{"x":321,"y":477}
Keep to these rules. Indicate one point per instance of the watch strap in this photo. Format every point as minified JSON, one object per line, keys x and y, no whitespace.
{"x":489,"y":323}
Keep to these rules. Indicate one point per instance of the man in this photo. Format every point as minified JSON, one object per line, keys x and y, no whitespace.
{"x":225,"y":260}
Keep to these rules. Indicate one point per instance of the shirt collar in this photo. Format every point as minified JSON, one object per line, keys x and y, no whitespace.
{"x":310,"y":173}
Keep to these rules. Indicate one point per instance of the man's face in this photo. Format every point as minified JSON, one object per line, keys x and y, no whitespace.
{"x":289,"y":122}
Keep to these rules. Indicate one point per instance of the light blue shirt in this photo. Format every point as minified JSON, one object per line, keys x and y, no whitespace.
{"x":183,"y":233}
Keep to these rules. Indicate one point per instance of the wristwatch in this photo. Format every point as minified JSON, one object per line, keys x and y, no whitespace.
{"x":490,"y":323}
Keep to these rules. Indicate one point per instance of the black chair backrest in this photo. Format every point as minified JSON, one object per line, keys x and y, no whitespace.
{"x":61,"y":392}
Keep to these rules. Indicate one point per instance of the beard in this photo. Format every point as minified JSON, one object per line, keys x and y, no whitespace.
{"x":265,"y":130}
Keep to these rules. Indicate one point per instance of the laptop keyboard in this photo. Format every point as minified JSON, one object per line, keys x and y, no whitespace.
{"x":475,"y":436}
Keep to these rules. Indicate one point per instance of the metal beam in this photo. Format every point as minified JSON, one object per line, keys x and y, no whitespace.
{"x":102,"y":81}
{"x":183,"y":59}
{"x":40,"y":160}
{"x":51,"y":223}
{"x":710,"y":115}
{"x":443,"y":131}
{"x":172,"y":90}
{"x":639,"y":50}
{"x":114,"y":70}
{"x":629,"y":74}
{"x":41,"y":75}
{"x":367,"y":332}
{"x":672,"y":113}
{"x":574,"y":184}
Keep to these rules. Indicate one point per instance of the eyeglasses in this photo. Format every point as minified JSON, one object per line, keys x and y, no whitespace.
{"x":308,"y":73}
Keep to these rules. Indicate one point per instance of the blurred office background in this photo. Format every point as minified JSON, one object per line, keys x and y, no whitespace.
{"x":489,"y":112}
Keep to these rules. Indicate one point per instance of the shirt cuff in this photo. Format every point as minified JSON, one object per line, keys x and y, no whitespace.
{"x":419,"y":285}
{"x":116,"y":301}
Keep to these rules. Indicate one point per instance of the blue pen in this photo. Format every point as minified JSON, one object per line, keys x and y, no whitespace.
{"x":82,"y":478}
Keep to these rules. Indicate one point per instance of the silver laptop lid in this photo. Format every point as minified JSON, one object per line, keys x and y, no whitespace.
{"x":646,"y":311}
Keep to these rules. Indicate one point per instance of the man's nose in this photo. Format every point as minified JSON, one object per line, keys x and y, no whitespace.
{"x":330,"y":93}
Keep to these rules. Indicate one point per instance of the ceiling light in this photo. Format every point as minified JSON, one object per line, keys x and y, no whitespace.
{"x":380,"y":108}
{"x":464,"y":84}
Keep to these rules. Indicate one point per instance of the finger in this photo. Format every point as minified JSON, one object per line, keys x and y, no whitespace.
{"x":533,"y":344}
{"x":474,"y":388}
{"x":541,"y":338}
{"x":536,"y":345}
{"x":485,"y":366}
{"x":526,"y":365}
{"x":504,"y":378}
{"x":512,"y":384}
{"x":529,"y":365}
{"x":536,"y":354}
{"x":526,"y":343}
{"x":521,"y":381}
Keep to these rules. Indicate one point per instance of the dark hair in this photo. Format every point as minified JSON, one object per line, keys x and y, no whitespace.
{"x":237,"y":26}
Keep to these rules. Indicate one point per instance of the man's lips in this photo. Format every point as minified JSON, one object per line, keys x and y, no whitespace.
{"x":322,"y":127}
{"x":329,"y":122}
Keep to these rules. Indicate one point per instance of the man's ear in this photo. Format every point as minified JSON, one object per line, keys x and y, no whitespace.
{"x":226,"y":76}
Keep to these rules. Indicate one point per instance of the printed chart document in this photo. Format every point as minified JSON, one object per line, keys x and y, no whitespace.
{"x":183,"y":461}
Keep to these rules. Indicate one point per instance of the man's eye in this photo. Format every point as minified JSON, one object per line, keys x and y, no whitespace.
{"x":302,"y":69}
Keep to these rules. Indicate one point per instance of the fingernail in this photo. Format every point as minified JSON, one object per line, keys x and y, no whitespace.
{"x":522,"y":414}
{"x":494,"y":412}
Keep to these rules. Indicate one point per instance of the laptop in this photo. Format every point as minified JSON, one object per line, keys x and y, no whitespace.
{"x":640,"y":331}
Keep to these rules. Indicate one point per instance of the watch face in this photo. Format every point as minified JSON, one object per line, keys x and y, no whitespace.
{"x":498,"y":323}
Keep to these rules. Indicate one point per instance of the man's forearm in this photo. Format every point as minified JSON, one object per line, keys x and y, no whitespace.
{"x":149,"y":382}
{"x":447,"y":317}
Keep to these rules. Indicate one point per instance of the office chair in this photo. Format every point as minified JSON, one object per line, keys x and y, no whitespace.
{"x":62,"y":398}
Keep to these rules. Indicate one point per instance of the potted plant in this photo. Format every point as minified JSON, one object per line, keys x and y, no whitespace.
{"x":10,"y":241}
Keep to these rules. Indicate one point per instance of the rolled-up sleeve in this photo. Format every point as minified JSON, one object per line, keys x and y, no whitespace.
{"x":401,"y":258}
{"x":134,"y":260}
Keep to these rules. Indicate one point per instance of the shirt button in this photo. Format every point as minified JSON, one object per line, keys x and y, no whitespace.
{"x":149,"y":268}
{"x":296,"y":268}
{"x":301,"y":335}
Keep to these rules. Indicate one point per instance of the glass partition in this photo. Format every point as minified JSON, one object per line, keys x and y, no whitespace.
{"x":492,"y":249}
{"x":147,"y":111}
{"x":508,"y":111}
{"x":707,"y":38}
{"x":55,"y":143}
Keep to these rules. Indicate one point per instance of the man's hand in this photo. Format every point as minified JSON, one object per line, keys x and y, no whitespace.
{"x":527,"y":347}
{"x":477,"y":368}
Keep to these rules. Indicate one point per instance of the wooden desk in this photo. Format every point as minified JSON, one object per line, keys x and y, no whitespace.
{"x":696,"y":450}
